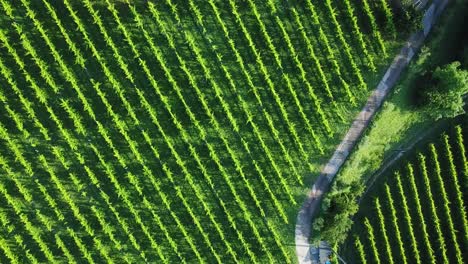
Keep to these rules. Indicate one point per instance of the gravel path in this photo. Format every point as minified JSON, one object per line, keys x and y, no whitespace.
{"x":304,"y":252}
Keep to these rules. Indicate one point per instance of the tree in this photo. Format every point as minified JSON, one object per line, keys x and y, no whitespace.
{"x":335,"y":220}
{"x":444,"y":97}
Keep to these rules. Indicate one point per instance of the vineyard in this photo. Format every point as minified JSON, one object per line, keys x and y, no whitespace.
{"x":175,"y":131}
{"x":419,"y":216}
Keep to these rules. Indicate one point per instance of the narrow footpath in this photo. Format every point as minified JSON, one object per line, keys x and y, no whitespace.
{"x":306,"y":253}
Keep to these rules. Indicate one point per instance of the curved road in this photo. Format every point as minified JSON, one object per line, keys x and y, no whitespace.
{"x":360,"y":123}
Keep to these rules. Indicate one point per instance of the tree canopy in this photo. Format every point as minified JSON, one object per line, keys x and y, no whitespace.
{"x":445,"y":96}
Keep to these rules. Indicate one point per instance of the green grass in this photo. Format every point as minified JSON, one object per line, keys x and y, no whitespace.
{"x":164,"y":146}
